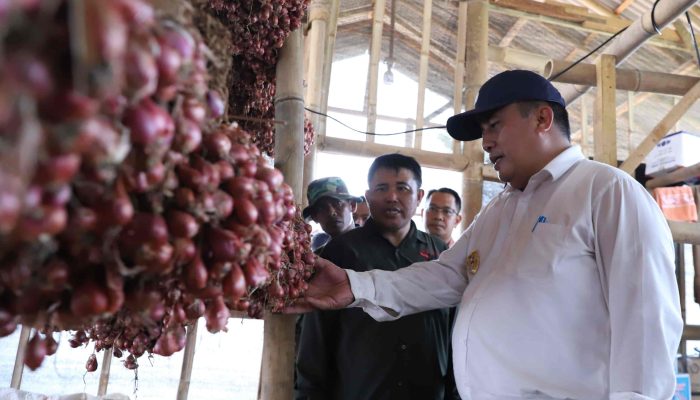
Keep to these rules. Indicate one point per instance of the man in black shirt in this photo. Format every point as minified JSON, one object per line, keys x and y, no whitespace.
{"x":345,"y":354}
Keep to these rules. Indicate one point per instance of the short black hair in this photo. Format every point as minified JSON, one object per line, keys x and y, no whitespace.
{"x":396,"y":162}
{"x":560,"y":115}
{"x":454,"y":194}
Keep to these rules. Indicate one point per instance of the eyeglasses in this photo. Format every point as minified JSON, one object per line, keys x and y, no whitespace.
{"x":442,"y":210}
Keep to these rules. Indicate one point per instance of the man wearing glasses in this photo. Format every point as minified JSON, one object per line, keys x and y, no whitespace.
{"x":442,"y":213}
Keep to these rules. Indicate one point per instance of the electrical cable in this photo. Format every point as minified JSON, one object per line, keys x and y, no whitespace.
{"x":373,"y":133}
{"x":562,"y":72}
{"x":692,"y":34}
{"x":653,"y":20}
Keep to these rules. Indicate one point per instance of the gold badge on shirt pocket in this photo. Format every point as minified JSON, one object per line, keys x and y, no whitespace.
{"x":473,"y":262}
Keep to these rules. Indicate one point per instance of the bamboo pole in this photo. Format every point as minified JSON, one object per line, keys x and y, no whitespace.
{"x":637,"y":156}
{"x":423,"y":71}
{"x":626,"y":79}
{"x":638,"y":99}
{"x":630,"y":120}
{"x":187,"y":362}
{"x":605,"y":134}
{"x":680,"y":278}
{"x":373,"y":74}
{"x":460,"y":59}
{"x":584,"y":126}
{"x":685,"y":232}
{"x":104,"y":372}
{"x":635,"y":35}
{"x":328,"y":64}
{"x":476,"y":74}
{"x":430,"y":159}
{"x":675,"y":176}
{"x":402,"y":120}
{"x":16,"y":381}
{"x":696,"y":253}
{"x":319,"y":14}
{"x":278,"y":341}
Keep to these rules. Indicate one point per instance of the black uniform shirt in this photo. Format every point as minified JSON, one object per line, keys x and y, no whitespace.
{"x":345,"y":354}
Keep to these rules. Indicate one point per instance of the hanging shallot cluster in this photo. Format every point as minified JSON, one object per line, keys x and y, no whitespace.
{"x":259,"y":29}
{"x":127,"y":211}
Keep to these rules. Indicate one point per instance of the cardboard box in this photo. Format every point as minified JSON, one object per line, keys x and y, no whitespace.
{"x":680,"y":149}
{"x":682,"y":387}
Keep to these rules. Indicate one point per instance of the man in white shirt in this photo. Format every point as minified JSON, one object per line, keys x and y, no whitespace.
{"x":565,"y":281}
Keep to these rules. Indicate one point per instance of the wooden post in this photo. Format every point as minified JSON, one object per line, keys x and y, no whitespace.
{"x":476,"y":74}
{"x":696,"y":254}
{"x":605,"y":134}
{"x":680,"y":278}
{"x":328,"y":67}
{"x":187,"y":362}
{"x":423,"y":71}
{"x":630,"y":120}
{"x":16,"y":381}
{"x":278,"y":341}
{"x":373,"y":74}
{"x":460,"y":59}
{"x":104,"y":372}
{"x":319,"y":12}
{"x":637,"y":156}
{"x":584,"y":125}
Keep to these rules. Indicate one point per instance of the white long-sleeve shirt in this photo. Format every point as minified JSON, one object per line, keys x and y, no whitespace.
{"x":583,"y":305}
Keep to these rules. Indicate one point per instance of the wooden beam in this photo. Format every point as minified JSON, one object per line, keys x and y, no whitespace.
{"x":683,"y":33}
{"x":594,"y":27}
{"x":623,"y":6}
{"x":660,"y":130}
{"x":622,"y":108}
{"x":390,"y":118}
{"x":460,"y":59}
{"x":430,"y":159}
{"x":605,"y":134}
{"x":675,"y":176}
{"x":685,"y":232}
{"x":423,"y":71}
{"x":513,"y":32}
{"x":546,"y":9}
{"x":373,"y":74}
{"x":626,"y":79}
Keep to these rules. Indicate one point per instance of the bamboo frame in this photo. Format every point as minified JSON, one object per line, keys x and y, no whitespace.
{"x":476,"y":74}
{"x":460,"y":60}
{"x":277,"y":378}
{"x":16,"y":380}
{"x":104,"y":372}
{"x":423,"y":71}
{"x":373,"y":74}
{"x":183,"y":387}
{"x":637,"y":156}
{"x":685,"y":232}
{"x":626,"y":79}
{"x":319,"y":15}
{"x":679,"y":175}
{"x":605,"y":133}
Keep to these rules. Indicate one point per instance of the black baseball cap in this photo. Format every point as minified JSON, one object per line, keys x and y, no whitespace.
{"x":499,"y":91}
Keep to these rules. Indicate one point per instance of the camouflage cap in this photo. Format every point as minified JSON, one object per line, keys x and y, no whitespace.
{"x":327,"y":187}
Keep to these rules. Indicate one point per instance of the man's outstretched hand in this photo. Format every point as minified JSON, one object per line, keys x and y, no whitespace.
{"x":329,"y":289}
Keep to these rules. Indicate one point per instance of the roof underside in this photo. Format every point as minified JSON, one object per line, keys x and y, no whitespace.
{"x":512,"y":26}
